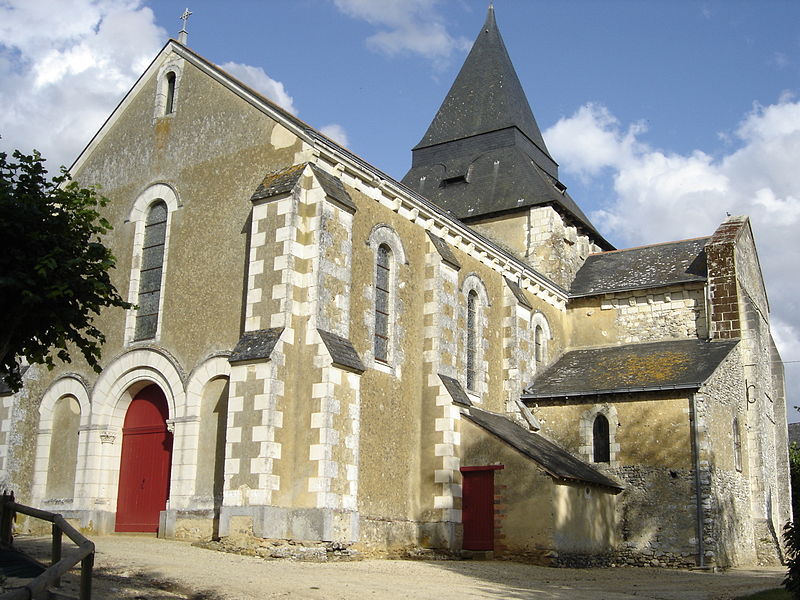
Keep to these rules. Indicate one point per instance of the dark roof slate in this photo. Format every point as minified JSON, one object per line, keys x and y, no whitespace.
{"x":5,"y":390}
{"x":486,"y":95}
{"x":334,"y":188}
{"x":676,"y":364}
{"x":554,"y":460}
{"x":256,"y":345}
{"x":455,"y":390}
{"x":483,"y":153}
{"x":279,"y":182}
{"x":518,"y":293}
{"x":445,"y":252}
{"x":342,"y":352}
{"x":658,"y":265}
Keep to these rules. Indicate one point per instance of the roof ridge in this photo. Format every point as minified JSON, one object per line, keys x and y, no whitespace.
{"x":649,"y":245}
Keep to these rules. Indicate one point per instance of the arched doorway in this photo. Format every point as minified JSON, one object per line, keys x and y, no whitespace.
{"x":145,"y":462}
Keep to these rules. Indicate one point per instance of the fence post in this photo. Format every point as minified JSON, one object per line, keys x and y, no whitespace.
{"x":55,"y":551}
{"x":6,"y":520}
{"x":86,"y":576}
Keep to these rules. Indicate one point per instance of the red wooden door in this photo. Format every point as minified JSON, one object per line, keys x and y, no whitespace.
{"x":145,"y":463}
{"x":477,"y":509}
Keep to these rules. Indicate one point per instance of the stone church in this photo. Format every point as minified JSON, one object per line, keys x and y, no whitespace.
{"x":458,"y":360}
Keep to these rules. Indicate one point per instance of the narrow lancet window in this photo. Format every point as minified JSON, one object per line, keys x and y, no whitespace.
{"x":472,"y":340}
{"x":170,"y":105}
{"x":538,"y":342}
{"x":601,"y":441}
{"x":150,"y":274}
{"x":382,"y":298}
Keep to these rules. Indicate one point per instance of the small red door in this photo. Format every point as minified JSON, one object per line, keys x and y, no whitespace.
{"x":477,"y":507}
{"x":145,"y":463}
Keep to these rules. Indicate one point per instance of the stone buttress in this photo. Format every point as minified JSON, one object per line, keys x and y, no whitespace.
{"x":291,"y":468}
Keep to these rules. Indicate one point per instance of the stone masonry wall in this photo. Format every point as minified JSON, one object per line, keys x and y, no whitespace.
{"x":554,"y":247}
{"x":652,"y":315}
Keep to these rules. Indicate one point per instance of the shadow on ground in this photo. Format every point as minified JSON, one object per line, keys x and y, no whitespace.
{"x":108,"y":583}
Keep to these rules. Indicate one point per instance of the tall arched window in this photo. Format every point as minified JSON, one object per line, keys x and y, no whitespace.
{"x":63,"y":449}
{"x":600,"y":440}
{"x":538,"y":343}
{"x":168,"y":86}
{"x":170,"y":105}
{"x":541,"y":337}
{"x":383,"y":274}
{"x":472,"y":340}
{"x":150,"y":274}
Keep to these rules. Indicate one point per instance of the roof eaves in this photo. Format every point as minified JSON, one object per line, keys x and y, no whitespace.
{"x":621,"y":390}
{"x":612,"y":290}
{"x":313,"y":135}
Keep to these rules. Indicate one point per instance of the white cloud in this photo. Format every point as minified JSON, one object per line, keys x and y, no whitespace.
{"x":336,"y":132}
{"x":257,"y":79}
{"x":64,"y":65}
{"x":408,"y":26}
{"x":661,"y":196}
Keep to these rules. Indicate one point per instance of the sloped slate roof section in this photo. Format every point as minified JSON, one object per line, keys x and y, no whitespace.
{"x":498,"y":175}
{"x":486,"y":96}
{"x":5,"y":390}
{"x":342,"y":352}
{"x":678,"y":364}
{"x":644,"y":267}
{"x":279,"y":182}
{"x":518,"y":293}
{"x":455,"y":390}
{"x":256,"y":345}
{"x":555,"y":461}
{"x":334,"y":188}
{"x":444,"y":250}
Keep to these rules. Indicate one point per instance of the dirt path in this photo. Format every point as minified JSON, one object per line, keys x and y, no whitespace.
{"x":148,"y":568}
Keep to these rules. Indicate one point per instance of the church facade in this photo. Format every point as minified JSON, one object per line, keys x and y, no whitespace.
{"x":456,"y":361}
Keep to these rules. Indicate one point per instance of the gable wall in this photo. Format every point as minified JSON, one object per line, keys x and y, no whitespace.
{"x":200,"y":151}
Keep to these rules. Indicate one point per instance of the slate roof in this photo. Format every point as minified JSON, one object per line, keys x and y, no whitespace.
{"x":643,"y":267}
{"x":444,"y":250}
{"x":518,"y":294}
{"x":256,"y":345}
{"x":486,"y":96}
{"x":554,"y":460}
{"x":484,"y":154}
{"x":279,"y":182}
{"x":5,"y":390}
{"x":342,"y":352}
{"x":677,"y":364}
{"x":455,"y":390}
{"x":334,"y":188}
{"x":285,"y":180}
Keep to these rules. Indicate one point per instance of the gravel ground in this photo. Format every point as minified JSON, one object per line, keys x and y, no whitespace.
{"x":146,"y":568}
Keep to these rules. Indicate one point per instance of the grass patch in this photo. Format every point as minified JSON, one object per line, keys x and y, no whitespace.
{"x":776,"y":594}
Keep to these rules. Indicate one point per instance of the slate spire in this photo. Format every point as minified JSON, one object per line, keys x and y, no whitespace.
{"x":486,"y":96}
{"x":483,"y":154}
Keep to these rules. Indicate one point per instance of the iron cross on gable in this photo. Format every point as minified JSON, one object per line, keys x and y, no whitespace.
{"x":182,"y":34}
{"x":185,"y":17}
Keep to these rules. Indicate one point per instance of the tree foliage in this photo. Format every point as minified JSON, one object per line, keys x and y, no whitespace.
{"x":53,"y":267}
{"x":791,"y":533}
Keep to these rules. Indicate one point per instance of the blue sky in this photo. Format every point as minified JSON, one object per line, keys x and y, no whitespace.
{"x":663,"y":115}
